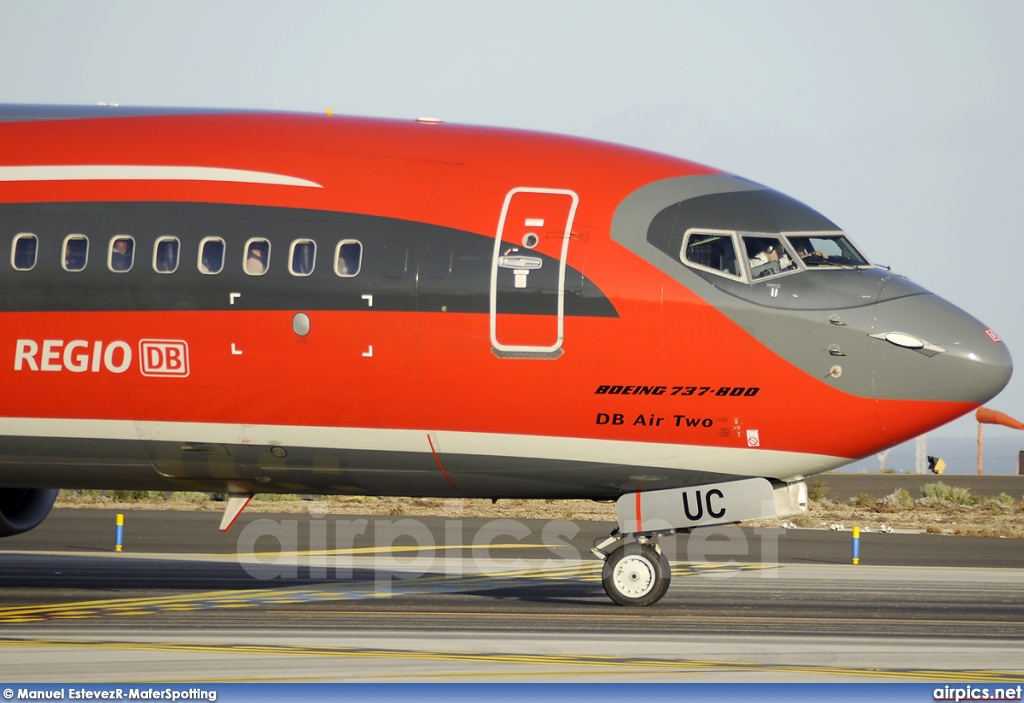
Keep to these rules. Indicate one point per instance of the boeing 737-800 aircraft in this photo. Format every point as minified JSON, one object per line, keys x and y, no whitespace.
{"x":255,"y":302}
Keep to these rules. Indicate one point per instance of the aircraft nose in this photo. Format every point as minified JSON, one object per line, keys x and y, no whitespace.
{"x":925,"y":348}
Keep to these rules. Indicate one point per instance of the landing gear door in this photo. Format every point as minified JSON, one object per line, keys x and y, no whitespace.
{"x":528,"y":272}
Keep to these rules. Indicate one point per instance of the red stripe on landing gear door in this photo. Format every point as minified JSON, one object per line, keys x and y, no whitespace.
{"x":233,"y":506}
{"x":639,"y":515}
{"x":440,"y":466}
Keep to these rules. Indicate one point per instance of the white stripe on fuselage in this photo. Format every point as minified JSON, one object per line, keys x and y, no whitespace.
{"x":724,"y":460}
{"x":104,"y":172}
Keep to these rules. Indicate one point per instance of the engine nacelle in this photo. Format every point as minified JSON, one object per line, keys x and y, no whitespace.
{"x":22,"y":509}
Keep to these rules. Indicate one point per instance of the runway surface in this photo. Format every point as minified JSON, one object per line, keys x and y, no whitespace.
{"x":305,"y":598}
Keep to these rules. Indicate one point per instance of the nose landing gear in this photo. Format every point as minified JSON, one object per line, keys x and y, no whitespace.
{"x":635,"y":573}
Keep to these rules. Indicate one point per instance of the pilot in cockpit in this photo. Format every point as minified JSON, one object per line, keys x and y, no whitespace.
{"x":805,"y":250}
{"x":767,"y":257}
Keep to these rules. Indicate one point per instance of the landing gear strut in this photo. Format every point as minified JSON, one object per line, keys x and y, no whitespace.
{"x":635,"y":572}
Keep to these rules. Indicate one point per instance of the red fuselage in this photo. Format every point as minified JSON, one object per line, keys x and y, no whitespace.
{"x":500,"y":337}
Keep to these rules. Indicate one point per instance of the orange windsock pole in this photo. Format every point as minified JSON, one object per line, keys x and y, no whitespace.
{"x":994,"y":417}
{"x":987,"y":416}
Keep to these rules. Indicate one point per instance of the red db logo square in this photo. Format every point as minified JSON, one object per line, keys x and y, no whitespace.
{"x":163,"y":357}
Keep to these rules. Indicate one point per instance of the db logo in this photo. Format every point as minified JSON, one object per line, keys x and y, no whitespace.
{"x":163,"y":357}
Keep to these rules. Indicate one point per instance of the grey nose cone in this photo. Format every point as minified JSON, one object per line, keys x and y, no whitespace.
{"x":924,"y":348}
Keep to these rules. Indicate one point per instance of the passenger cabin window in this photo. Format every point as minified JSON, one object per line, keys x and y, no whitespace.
{"x":302,"y":257}
{"x":211,"y":255}
{"x":817,"y":250}
{"x":349,"y":258}
{"x":713,"y":251}
{"x":165,"y":255}
{"x":257,"y":257}
{"x":767,"y":256}
{"x":121,"y":255}
{"x":76,"y":252}
{"x":23,"y":252}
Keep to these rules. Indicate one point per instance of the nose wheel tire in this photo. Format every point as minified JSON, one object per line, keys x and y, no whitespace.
{"x":636,"y":574}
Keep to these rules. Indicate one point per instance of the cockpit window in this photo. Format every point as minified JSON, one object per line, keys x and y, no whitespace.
{"x":767,"y":256}
{"x":818,"y":250}
{"x":750,"y":257}
{"x":714,"y":251}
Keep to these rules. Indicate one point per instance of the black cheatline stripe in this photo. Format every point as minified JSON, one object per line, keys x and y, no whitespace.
{"x":406,"y":266}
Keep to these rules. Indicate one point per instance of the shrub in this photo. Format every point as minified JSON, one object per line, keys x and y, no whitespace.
{"x":938,"y":491}
{"x":952,"y":494}
{"x":278,"y":497}
{"x":900,"y":498}
{"x":193,"y":497}
{"x":1000,"y":501}
{"x":817,"y":491}
{"x":864,"y":500}
{"x":805,"y":521}
{"x":132,"y":496}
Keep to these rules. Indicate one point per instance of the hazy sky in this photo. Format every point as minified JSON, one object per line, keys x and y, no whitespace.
{"x":900,"y":121}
